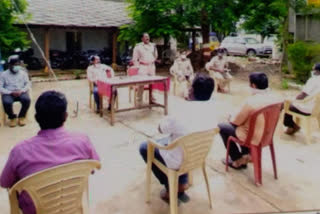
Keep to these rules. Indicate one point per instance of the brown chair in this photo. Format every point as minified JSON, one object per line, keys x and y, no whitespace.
{"x":196,"y":147}
{"x":271,"y":116}
{"x":62,"y":189}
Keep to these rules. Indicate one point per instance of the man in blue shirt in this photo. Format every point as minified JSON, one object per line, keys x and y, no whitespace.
{"x":14,"y":87}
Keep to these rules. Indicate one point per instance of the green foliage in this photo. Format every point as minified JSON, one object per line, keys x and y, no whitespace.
{"x":11,"y":37}
{"x":158,"y":18}
{"x":77,"y":73}
{"x":303,"y":55}
{"x":164,"y":18}
{"x":284,"y":84}
{"x":264,"y":17}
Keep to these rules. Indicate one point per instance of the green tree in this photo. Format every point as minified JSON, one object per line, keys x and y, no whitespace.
{"x":159,"y":18}
{"x":163,"y":18}
{"x":220,"y":15}
{"x":264,"y":17}
{"x":11,"y":37}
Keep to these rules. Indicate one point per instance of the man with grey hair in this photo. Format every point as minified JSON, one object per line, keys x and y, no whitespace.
{"x":14,"y":87}
{"x":145,"y":55}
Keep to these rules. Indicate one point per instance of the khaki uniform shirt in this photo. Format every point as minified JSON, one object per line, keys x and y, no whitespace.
{"x":144,"y":56}
{"x":217,"y":63}
{"x":181,"y":68}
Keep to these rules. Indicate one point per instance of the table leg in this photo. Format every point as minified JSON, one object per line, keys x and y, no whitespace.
{"x":112,"y":100}
{"x":150,"y":96}
{"x":165,"y":97}
{"x":101,"y":105}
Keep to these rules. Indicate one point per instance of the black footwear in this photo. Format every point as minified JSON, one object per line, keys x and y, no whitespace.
{"x":164,"y":195}
{"x":244,"y":166}
{"x":183,"y":197}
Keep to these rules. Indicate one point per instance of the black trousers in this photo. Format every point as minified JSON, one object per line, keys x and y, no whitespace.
{"x":8,"y":100}
{"x":227,"y":130}
{"x":183,"y":179}
{"x":288,"y":119}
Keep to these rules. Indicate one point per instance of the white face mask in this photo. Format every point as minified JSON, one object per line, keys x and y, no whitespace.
{"x":16,"y":69}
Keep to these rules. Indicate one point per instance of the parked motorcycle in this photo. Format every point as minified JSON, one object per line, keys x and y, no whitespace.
{"x":32,"y":63}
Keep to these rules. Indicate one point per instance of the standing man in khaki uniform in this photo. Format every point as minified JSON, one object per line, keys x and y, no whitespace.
{"x":145,"y":55}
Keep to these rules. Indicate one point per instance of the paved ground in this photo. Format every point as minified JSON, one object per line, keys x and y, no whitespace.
{"x":119,"y":186}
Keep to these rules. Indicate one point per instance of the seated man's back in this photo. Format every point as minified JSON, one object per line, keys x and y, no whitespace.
{"x":52,"y":146}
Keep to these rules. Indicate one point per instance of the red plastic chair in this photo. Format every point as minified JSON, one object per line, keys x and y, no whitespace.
{"x":271,"y":114}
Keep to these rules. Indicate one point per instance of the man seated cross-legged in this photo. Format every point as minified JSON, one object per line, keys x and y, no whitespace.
{"x":238,"y":124}
{"x":198,"y":114}
{"x":52,"y":146}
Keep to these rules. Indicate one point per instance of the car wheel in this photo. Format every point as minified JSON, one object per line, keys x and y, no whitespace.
{"x":251,"y":53}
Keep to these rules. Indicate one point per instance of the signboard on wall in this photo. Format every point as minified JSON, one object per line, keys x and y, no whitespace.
{"x":314,"y":2}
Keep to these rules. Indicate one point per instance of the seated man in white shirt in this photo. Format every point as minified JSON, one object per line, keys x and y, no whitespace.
{"x":182,"y":70}
{"x":181,"y":125}
{"x":97,"y":71}
{"x":311,"y":88}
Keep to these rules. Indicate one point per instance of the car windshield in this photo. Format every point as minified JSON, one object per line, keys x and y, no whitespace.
{"x":251,"y":41}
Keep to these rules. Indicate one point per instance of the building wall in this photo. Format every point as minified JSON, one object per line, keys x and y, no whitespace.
{"x":307,"y":28}
{"x":94,"y":39}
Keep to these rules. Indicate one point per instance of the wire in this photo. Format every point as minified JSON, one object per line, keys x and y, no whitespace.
{"x":34,"y":40}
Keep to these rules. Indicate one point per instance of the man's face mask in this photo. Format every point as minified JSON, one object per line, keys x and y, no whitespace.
{"x":16,"y":68}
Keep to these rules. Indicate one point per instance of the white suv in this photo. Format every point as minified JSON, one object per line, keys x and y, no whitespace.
{"x":245,"y":46}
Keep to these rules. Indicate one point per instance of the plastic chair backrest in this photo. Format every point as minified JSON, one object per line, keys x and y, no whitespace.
{"x":196,"y":147}
{"x":132,"y":71}
{"x":57,"y":190}
{"x":316,"y":108}
{"x":271,"y":114}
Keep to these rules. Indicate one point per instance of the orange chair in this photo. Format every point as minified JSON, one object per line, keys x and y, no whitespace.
{"x":271,"y":116}
{"x":62,"y":189}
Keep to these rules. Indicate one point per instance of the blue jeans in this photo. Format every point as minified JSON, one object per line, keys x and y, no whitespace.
{"x":8,"y":100}
{"x":183,"y":179}
{"x":96,"y":96}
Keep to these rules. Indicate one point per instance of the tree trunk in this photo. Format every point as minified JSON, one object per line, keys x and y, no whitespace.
{"x":285,"y":35}
{"x":205,"y":27}
{"x":193,"y":41}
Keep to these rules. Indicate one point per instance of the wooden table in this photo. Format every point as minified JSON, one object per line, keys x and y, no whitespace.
{"x":109,"y":86}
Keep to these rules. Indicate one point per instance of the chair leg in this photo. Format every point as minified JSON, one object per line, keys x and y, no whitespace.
{"x":90,"y":100}
{"x":190,"y":179}
{"x":117,"y":102}
{"x":207,"y":183}
{"x":150,"y":155}
{"x":308,"y":131}
{"x":173,"y":191}
{"x":256,"y":165}
{"x":130,"y":95}
{"x":273,"y":161}
{"x":227,"y":155}
{"x":318,"y":119}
